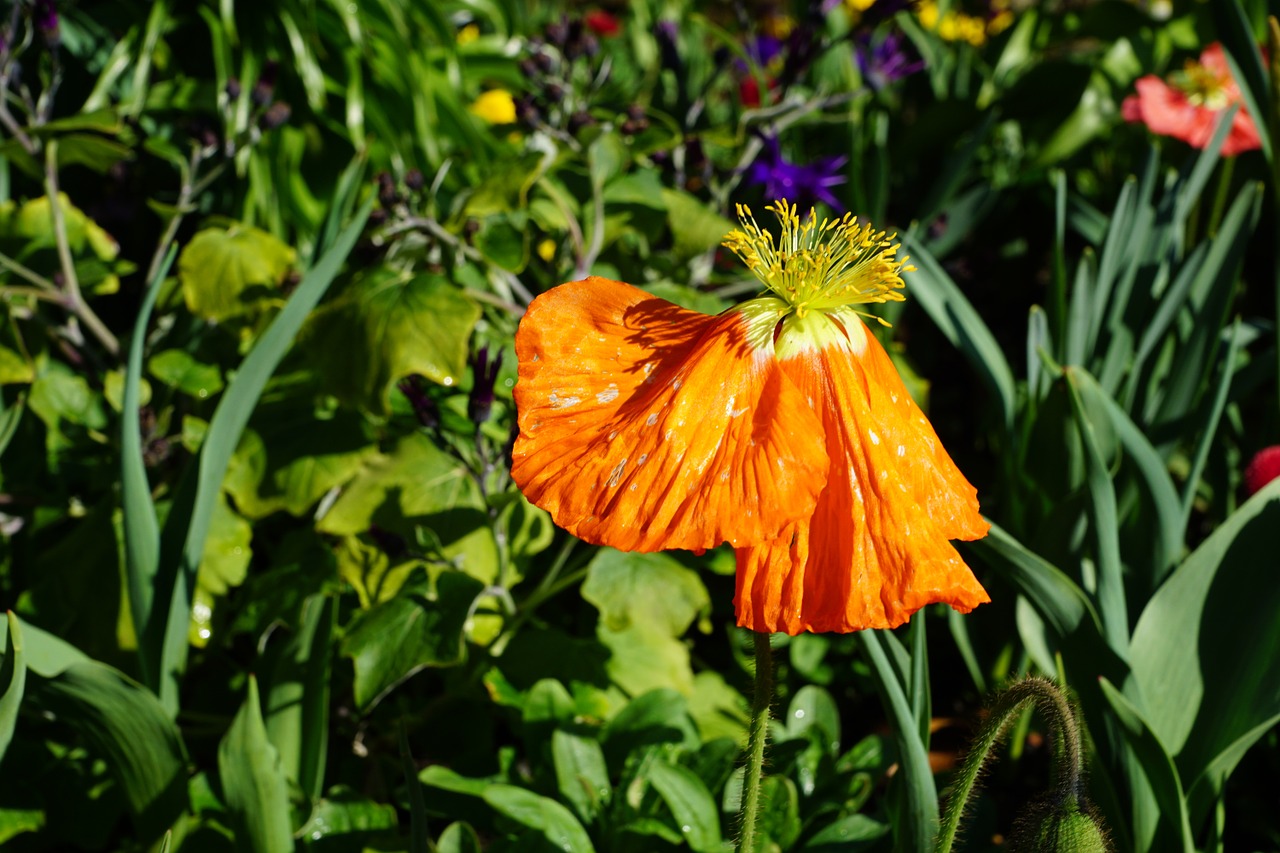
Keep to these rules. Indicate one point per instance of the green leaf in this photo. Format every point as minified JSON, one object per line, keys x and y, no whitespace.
{"x":503,"y":240}
{"x":14,"y":369}
{"x":659,"y":716}
{"x":427,"y":631}
{"x":849,"y":834}
{"x":458,"y":837}
{"x":13,"y":679}
{"x":540,"y":814}
{"x":581,"y":775}
{"x":780,"y":812}
{"x":254,"y":783}
{"x":187,"y":526}
{"x":33,"y":222}
{"x":918,"y":814}
{"x":291,"y":456}
{"x":647,"y":589}
{"x":345,"y":817}
{"x":297,"y":713}
{"x":690,"y":802}
{"x":962,"y":325}
{"x":695,"y":227}
{"x":1203,"y":688}
{"x":416,"y":486}
{"x":230,"y":271}
{"x":813,"y":709}
{"x":179,"y":369}
{"x":1156,"y":764}
{"x":388,"y":325}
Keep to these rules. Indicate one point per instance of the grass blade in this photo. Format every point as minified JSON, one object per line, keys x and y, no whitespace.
{"x":13,"y":680}
{"x":140,"y":527}
{"x":918,"y":820}
{"x":1210,"y":428}
{"x":185,"y":530}
{"x":955,"y":316}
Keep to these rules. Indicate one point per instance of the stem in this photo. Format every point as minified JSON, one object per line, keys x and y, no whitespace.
{"x":755,"y":743}
{"x":29,"y":274}
{"x":1069,"y":763}
{"x":71,"y":284}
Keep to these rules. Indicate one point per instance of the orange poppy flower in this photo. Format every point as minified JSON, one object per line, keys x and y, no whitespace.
{"x":1189,"y":108}
{"x":779,"y":426}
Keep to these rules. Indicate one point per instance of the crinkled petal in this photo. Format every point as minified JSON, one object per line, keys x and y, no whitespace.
{"x":876,"y":548}
{"x":645,"y":426}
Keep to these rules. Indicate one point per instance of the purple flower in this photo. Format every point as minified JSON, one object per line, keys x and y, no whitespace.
{"x":885,"y":61}
{"x":803,"y":186}
{"x":45,"y":17}
{"x":484,"y":375}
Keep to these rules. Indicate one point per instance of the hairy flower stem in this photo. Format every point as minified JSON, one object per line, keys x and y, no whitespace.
{"x":755,"y":744}
{"x":1069,"y":761}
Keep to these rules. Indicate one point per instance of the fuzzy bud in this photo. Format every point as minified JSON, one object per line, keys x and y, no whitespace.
{"x":265,"y":87}
{"x":414,"y":180}
{"x":1065,"y":826}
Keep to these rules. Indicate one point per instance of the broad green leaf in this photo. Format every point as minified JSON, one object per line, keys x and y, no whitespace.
{"x":179,"y":369}
{"x":1204,"y":688}
{"x":660,"y":716}
{"x":850,"y":834}
{"x":14,"y":822}
{"x":458,"y":837}
{"x":230,"y":271}
{"x":388,"y":325}
{"x":226,"y":550}
{"x":14,"y":369}
{"x":503,"y":240}
{"x":13,"y":679}
{"x":1156,"y":764}
{"x":646,"y":589}
{"x":290,"y":457}
{"x":544,"y":816}
{"x":254,"y":783}
{"x":125,"y":725}
{"x":719,"y":710}
{"x":690,"y":803}
{"x":780,"y":811}
{"x":695,"y":227}
{"x":813,"y":709}
{"x":33,"y":222}
{"x":60,"y":395}
{"x":427,"y":631}
{"x":581,"y":775}
{"x":419,"y":485}
{"x":344,"y":816}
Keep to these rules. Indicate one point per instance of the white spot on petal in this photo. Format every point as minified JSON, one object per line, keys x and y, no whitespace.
{"x":608,"y":395}
{"x":902,"y":451}
{"x":651,"y":420}
{"x":875,"y":439}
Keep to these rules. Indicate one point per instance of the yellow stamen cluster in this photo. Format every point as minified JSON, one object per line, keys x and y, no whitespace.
{"x":817,"y":267}
{"x":1203,"y":86}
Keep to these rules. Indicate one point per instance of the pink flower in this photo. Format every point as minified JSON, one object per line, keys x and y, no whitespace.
{"x":1264,"y":468}
{"x":1188,"y":106}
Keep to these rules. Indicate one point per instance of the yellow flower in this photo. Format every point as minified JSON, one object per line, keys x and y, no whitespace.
{"x":468,"y":34}
{"x":547,"y":249}
{"x":495,"y":106}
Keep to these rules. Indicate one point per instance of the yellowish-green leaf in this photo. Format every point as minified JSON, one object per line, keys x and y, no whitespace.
{"x":386,"y":326}
{"x":230,"y":271}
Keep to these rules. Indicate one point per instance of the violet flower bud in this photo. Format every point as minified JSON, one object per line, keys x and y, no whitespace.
{"x":484,"y":375}
{"x":45,"y":17}
{"x":424,"y":408}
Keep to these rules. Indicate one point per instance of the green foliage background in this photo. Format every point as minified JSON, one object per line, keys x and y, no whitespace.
{"x":269,"y":586}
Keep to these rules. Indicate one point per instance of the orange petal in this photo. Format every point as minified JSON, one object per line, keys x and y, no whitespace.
{"x":876,"y":548}
{"x":645,"y":426}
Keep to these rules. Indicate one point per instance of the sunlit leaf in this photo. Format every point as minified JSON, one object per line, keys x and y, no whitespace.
{"x":229,"y":271}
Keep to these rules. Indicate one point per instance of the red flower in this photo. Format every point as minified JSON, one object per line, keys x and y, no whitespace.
{"x":1264,"y":468}
{"x":1189,"y":108}
{"x":601,"y":23}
